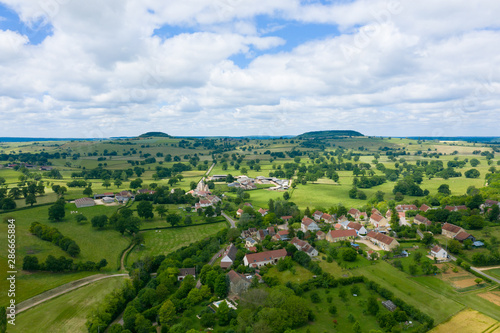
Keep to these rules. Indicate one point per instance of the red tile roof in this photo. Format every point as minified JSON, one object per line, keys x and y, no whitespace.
{"x":451,"y":228}
{"x":307,"y":221}
{"x":354,"y":225}
{"x":462,"y":235}
{"x":424,"y":208}
{"x":342,"y":233}
{"x":263,"y":256}
{"x":377,"y":217}
{"x":381,"y":237}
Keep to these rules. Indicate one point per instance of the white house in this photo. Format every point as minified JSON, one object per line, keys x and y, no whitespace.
{"x":308,"y":224}
{"x":358,"y":227}
{"x":439,"y":253}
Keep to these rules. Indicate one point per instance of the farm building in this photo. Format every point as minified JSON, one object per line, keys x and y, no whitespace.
{"x":84,"y":202}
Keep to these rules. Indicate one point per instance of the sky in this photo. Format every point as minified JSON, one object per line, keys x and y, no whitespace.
{"x":97,"y":69}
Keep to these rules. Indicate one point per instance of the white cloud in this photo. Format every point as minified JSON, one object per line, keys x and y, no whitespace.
{"x":397,"y":68}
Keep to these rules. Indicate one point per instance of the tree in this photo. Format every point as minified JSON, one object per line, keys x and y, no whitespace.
{"x":428,"y":238}
{"x":88,"y":191}
{"x":30,"y":263}
{"x":8,"y":204}
{"x":221,"y":286}
{"x":129,"y":317}
{"x":399,"y":196}
{"x":56,"y":211}
{"x":80,"y":218}
{"x":209,"y":211}
{"x":167,"y":312}
{"x":349,"y":254}
{"x":494,"y":213}
{"x":99,"y":221}
{"x":161,"y":210}
{"x":474,"y":162}
{"x":356,"y":328}
{"x":379,"y":196}
{"x":286,"y":196}
{"x":412,"y":269}
{"x":188,"y":220}
{"x":361,"y":195}
{"x":118,"y":183}
{"x":173,"y":219}
{"x":136,"y":183}
{"x":30,"y":199}
{"x":373,"y":306}
{"x":444,"y":189}
{"x":223,"y":314}
{"x":73,"y":249}
{"x":478,"y":281}
{"x":472,"y":173}
{"x":106,"y":183}
{"x":145,"y":210}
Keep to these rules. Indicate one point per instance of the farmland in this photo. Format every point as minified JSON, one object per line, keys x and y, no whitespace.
{"x":66,"y":313}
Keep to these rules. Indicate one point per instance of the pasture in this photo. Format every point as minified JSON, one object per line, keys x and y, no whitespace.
{"x":68,"y":312}
{"x":168,"y":240}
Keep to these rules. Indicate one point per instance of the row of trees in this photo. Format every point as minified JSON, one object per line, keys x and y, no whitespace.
{"x":61,"y":264}
{"x":53,"y":235}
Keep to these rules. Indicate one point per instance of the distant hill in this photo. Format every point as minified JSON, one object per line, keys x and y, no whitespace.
{"x":328,"y":134}
{"x":154,"y":134}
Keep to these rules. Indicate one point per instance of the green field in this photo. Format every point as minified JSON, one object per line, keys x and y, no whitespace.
{"x":493,"y":272}
{"x":168,"y":240}
{"x":353,"y":305}
{"x":66,"y":313}
{"x":94,"y":244}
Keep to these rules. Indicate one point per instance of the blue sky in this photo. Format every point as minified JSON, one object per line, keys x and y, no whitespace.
{"x":241,"y":67}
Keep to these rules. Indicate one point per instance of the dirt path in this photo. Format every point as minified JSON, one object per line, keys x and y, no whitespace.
{"x":122,"y":260}
{"x":49,"y":294}
{"x":487,"y":268}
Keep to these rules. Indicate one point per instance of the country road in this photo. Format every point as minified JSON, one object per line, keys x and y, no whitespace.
{"x":61,"y":290}
{"x":479,"y":271}
{"x":230,"y":220}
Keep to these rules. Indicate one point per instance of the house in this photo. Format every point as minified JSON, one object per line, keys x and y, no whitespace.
{"x":361,"y":216}
{"x":84,"y":202}
{"x":424,"y":208}
{"x":228,"y":256}
{"x":388,"y":214}
{"x":317,"y":215}
{"x":402,"y":218}
{"x":389,"y":305}
{"x":270,"y":231}
{"x":462,"y":236}
{"x":439,"y":253}
{"x":320,"y":235}
{"x":263,"y":211}
{"x":145,"y":191}
{"x":455,"y":208}
{"x":308,"y":224}
{"x":340,"y":235}
{"x":342,"y":219}
{"x":419,"y":219}
{"x":281,"y":235}
{"x":183,"y":272}
{"x":286,"y":218}
{"x":238,"y":283}
{"x":401,"y":208}
{"x":239,"y":212}
{"x":250,"y":242}
{"x":385,"y":242}
{"x":338,"y":226}
{"x":248,"y":204}
{"x":378,"y":221}
{"x":375,"y":211}
{"x":490,"y":203}
{"x":304,"y":246}
{"x":328,"y":218}
{"x":358,"y":227}
{"x":261,"y":234}
{"x":264,"y":258}
{"x":450,"y":230}
{"x":353,"y":212}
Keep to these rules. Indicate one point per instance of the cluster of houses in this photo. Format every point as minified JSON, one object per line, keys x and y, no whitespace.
{"x":25,"y":165}
{"x":205,"y":195}
{"x":248,"y":183}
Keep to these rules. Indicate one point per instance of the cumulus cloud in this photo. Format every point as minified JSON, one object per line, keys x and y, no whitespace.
{"x":393,"y":68}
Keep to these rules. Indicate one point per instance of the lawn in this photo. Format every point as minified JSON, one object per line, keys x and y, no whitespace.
{"x":94,"y":244}
{"x":66,"y":313}
{"x":431,"y":302}
{"x":493,"y":272}
{"x":168,"y":240}
{"x":353,"y":305}
{"x":298,"y":275}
